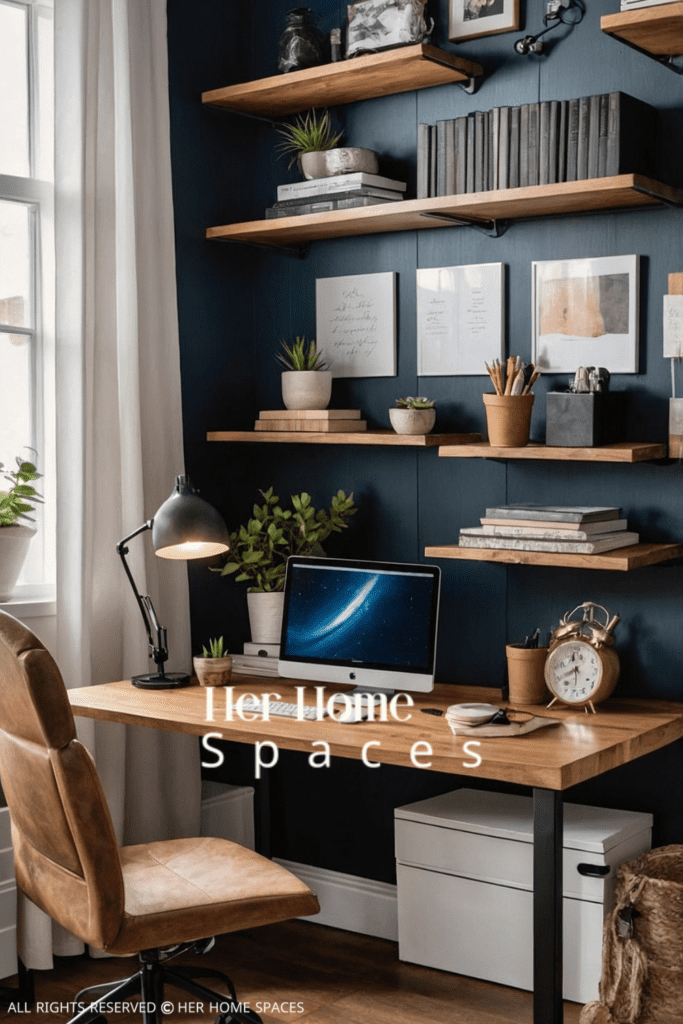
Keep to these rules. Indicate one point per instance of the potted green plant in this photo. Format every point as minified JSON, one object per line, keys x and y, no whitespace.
{"x":306,"y":381}
{"x":15,"y":537}
{"x":259,"y":551}
{"x":413,"y":415}
{"x":311,"y":143}
{"x":215,"y":667}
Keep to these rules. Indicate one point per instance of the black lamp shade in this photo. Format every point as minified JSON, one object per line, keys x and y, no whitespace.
{"x":187,"y":527}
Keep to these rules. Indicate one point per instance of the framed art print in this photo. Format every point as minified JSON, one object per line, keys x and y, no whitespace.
{"x":356,"y":324}
{"x":471,"y":19}
{"x":585,"y":313}
{"x":459,"y":319}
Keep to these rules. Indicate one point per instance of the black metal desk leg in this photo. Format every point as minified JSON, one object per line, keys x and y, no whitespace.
{"x":547,"y":906}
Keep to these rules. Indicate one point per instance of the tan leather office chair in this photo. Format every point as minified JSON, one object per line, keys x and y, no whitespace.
{"x":143,"y":899}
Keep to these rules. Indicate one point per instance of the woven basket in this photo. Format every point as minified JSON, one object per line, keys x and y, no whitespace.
{"x":642,"y":976}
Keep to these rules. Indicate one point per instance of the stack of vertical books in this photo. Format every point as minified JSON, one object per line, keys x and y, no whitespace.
{"x":581,"y":530}
{"x":321,"y":421}
{"x":341,"y":192}
{"x":536,"y":144}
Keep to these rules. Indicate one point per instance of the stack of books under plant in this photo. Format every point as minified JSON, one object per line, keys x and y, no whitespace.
{"x":581,"y":530}
{"x":337,"y":178}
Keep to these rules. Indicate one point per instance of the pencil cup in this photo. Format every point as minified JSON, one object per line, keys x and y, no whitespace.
{"x":508,"y":419}
{"x":676,"y":428}
{"x":526,"y":681}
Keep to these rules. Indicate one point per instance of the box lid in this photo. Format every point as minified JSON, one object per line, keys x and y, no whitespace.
{"x":595,"y":829}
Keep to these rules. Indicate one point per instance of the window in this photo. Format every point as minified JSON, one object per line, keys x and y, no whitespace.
{"x":27,"y":264}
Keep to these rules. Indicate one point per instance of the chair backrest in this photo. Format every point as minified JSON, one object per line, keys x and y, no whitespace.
{"x":65,"y":850}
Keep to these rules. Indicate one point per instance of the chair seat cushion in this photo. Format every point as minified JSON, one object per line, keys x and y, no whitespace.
{"x":186,"y":889}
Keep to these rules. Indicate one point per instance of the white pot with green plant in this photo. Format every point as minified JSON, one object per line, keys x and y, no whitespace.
{"x":311,"y":143}
{"x":413,"y":415}
{"x":306,"y":381}
{"x":15,"y":537}
{"x":259,"y":551}
{"x":215,"y":667}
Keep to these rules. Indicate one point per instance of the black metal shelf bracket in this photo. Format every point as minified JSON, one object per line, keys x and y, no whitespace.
{"x":664,"y":200}
{"x":299,"y":252}
{"x":673,"y":62}
{"x":492,"y":228}
{"x":470,"y":86}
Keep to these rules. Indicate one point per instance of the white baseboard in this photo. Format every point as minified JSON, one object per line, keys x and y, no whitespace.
{"x":350,"y":903}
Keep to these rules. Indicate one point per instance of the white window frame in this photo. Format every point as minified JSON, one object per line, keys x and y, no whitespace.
{"x":38,"y":598}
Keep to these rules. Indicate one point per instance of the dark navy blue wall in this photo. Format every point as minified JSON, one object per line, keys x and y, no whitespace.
{"x":236,"y":304}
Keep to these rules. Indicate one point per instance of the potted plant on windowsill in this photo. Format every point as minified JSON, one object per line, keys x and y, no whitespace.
{"x":311,"y":142}
{"x":259,"y":551}
{"x":215,"y":667}
{"x":413,"y":415}
{"x":306,"y":381}
{"x":15,"y":537}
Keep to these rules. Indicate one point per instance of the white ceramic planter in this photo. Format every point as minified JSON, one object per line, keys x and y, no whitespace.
{"x":325,"y":163}
{"x":213,"y":671}
{"x":265,"y":616}
{"x":412,"y":421}
{"x":306,"y":389}
{"x":14,"y":542}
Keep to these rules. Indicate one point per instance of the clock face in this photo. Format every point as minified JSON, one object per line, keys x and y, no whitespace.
{"x":573,"y":671}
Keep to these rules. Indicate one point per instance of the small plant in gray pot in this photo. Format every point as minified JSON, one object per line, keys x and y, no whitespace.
{"x":215,"y":667}
{"x":16,"y":531}
{"x":413,"y":415}
{"x":311,"y":143}
{"x":306,"y":381}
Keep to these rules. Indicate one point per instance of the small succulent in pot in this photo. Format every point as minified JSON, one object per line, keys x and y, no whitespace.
{"x":414,"y":403}
{"x":214,"y":668}
{"x":311,"y":133}
{"x":413,"y":415}
{"x":306,"y":380}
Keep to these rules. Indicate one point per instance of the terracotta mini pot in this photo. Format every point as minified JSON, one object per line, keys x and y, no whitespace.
{"x":213,"y":671}
{"x":508,"y":419}
{"x":526,"y":679}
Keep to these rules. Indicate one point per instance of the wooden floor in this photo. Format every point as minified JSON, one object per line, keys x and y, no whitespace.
{"x":308,"y":973}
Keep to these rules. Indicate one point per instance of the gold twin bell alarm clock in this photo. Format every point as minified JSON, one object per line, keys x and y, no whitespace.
{"x":582,"y":667}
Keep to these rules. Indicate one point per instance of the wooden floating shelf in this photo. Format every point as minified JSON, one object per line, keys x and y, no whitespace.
{"x":624,"y":451}
{"x":656,"y":30}
{"x":623,"y":559}
{"x":625,"y":191}
{"x":366,"y":437}
{"x":361,"y":78}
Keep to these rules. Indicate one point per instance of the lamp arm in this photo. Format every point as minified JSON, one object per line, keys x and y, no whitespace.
{"x":158,"y":650}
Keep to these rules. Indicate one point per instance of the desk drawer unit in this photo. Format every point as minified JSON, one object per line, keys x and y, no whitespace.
{"x":465,"y":885}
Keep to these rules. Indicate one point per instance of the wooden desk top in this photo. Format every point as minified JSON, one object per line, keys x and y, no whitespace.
{"x":583,"y":746}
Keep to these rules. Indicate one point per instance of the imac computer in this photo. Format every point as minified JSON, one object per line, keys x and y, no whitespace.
{"x":369,"y":623}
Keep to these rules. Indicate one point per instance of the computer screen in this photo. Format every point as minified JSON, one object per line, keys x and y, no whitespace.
{"x":369,"y":623}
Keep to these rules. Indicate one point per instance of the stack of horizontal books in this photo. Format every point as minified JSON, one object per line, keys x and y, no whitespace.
{"x":581,"y":530}
{"x":257,"y":660}
{"x":320,"y":421}
{"x":341,"y":192}
{"x":536,"y":144}
{"x":628,"y":5}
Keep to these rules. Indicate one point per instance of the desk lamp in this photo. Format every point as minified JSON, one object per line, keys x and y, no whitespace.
{"x":184,"y":527}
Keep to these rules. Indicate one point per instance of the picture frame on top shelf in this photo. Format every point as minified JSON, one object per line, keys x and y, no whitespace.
{"x":356,"y":324}
{"x":585,"y":313}
{"x":472,"y":19}
{"x":460,"y":319}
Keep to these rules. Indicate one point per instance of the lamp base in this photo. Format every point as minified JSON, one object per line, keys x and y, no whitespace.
{"x":155,"y":681}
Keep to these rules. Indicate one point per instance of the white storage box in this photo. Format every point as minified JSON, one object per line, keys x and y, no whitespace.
{"x":465,"y":885}
{"x":228,"y":812}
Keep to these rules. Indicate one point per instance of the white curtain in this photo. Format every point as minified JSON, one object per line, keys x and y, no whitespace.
{"x":119,"y":429}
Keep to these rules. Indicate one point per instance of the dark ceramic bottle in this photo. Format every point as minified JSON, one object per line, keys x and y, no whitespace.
{"x":301,"y":45}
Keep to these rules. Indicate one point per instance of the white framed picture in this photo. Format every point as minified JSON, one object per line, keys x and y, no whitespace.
{"x":585,"y":313}
{"x":460,"y":322}
{"x":356,"y":324}
{"x":471,"y":19}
